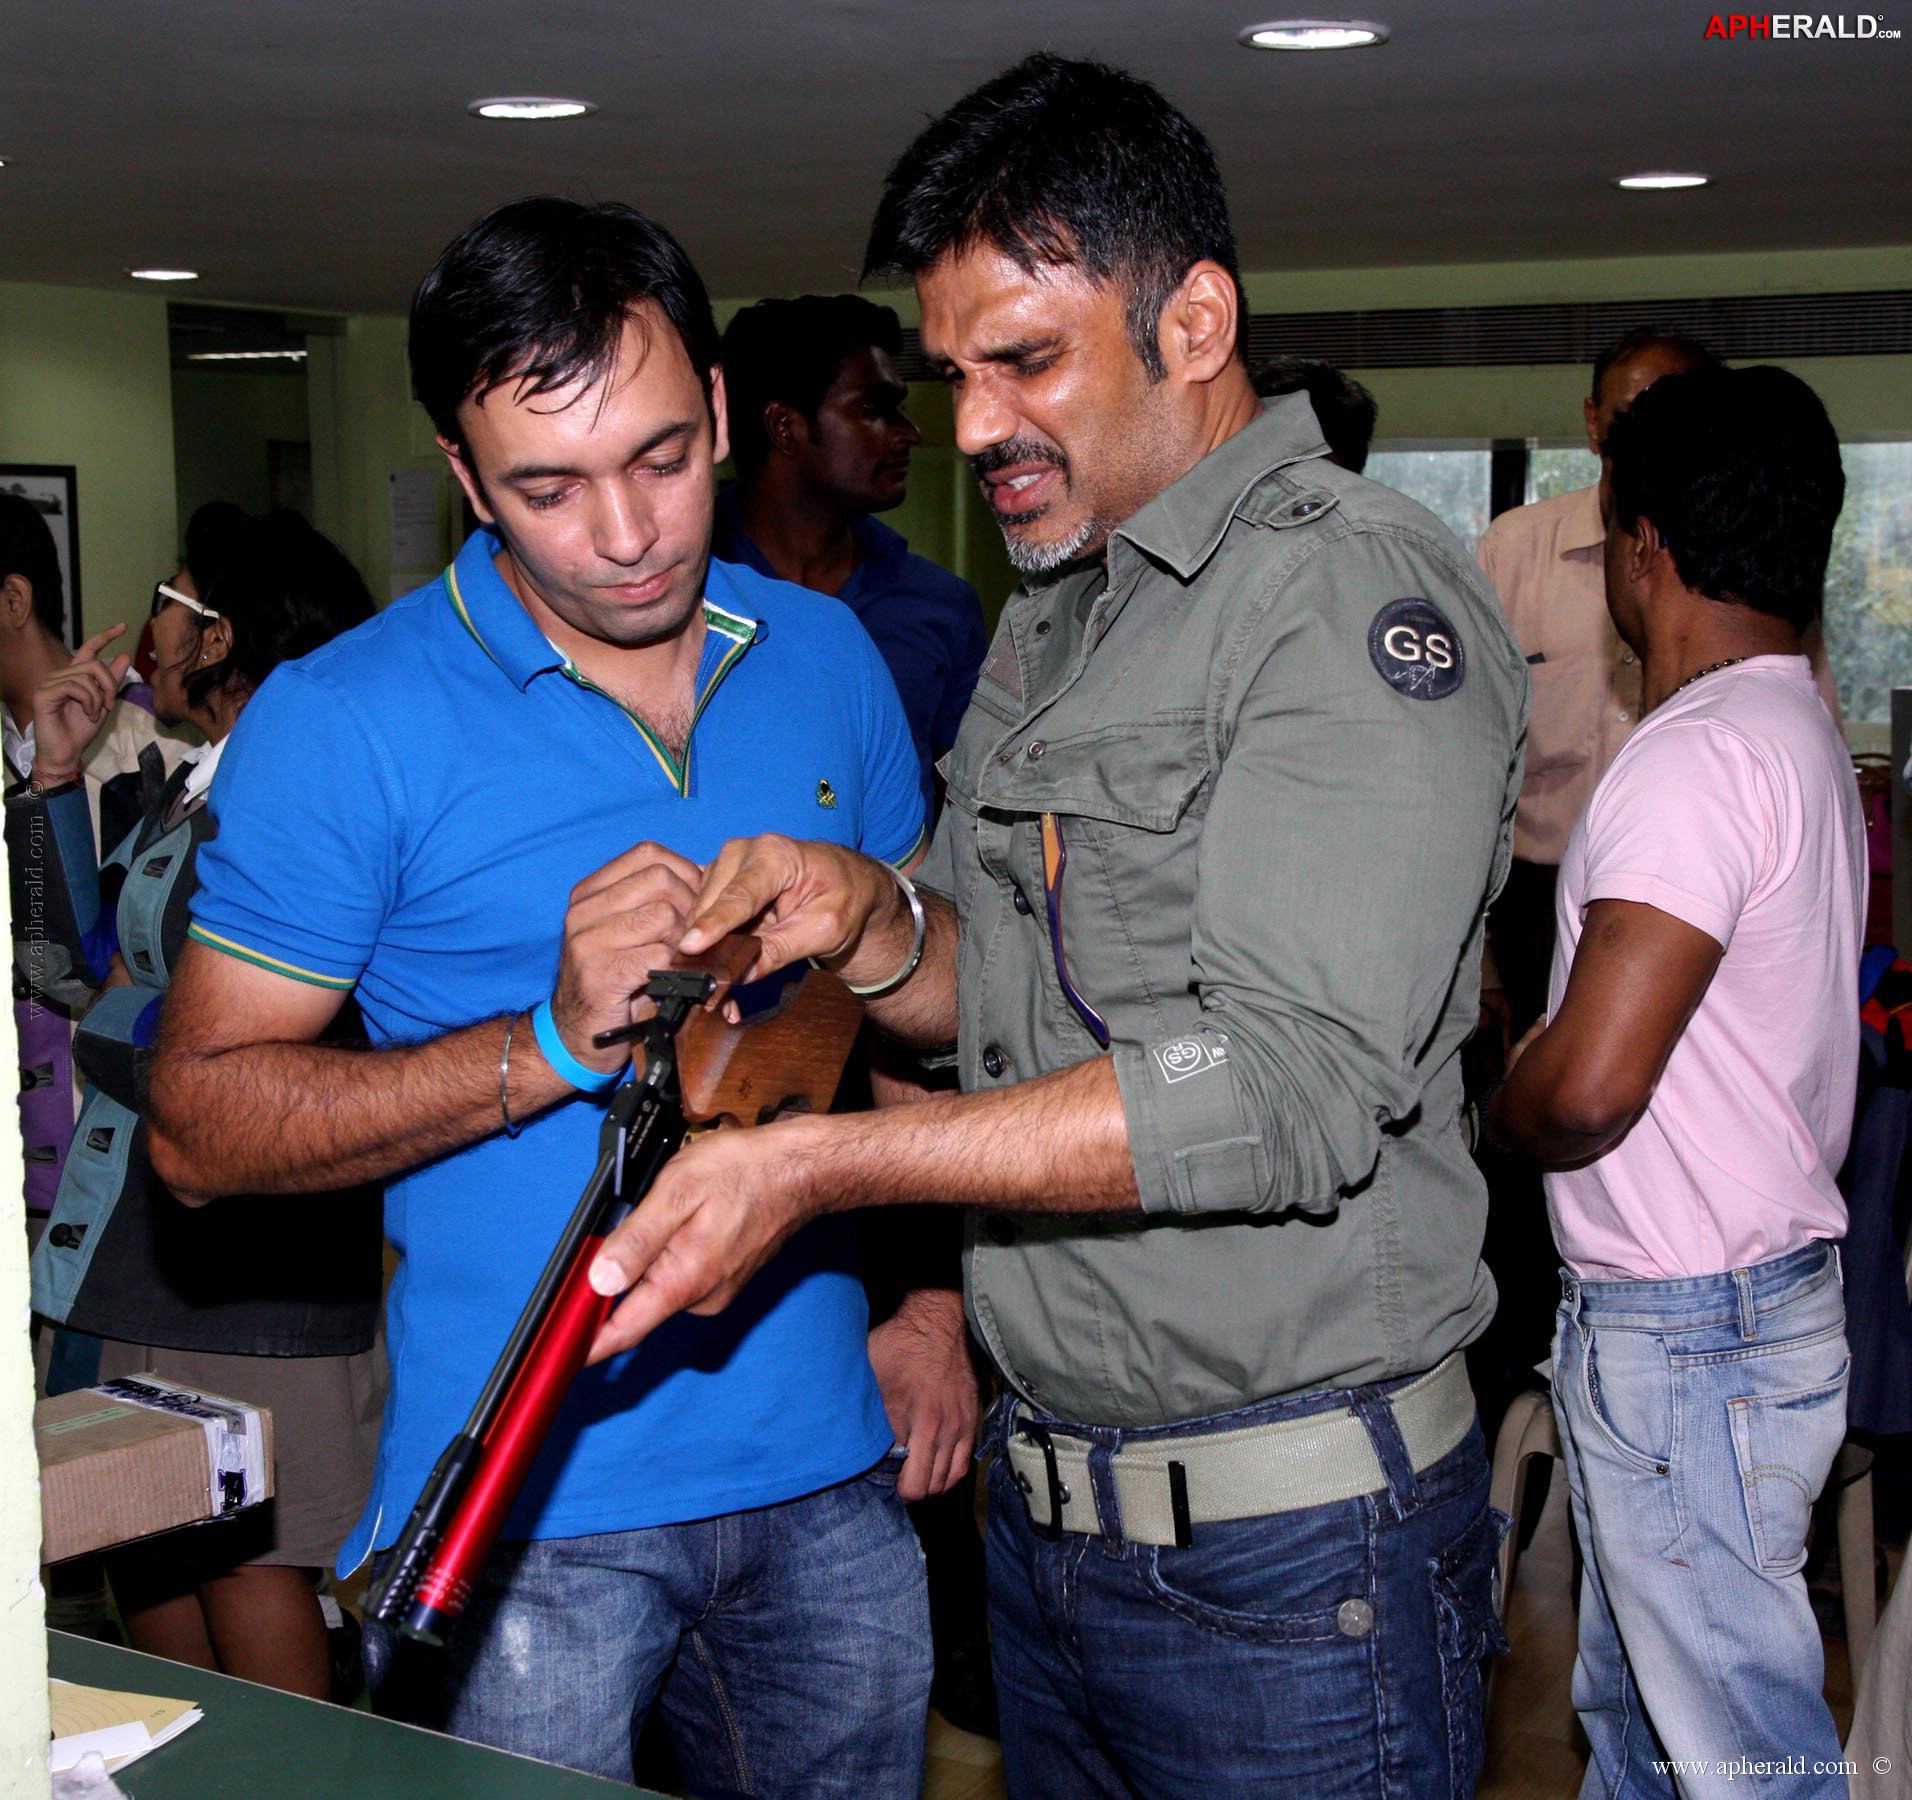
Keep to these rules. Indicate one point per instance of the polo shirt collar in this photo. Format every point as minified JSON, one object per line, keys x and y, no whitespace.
{"x":1184,"y":523}
{"x":499,"y":625}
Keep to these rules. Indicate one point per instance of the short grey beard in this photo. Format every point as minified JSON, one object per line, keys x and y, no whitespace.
{"x":1046,"y":559}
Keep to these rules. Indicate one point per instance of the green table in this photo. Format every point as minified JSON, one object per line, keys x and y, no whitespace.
{"x":257,"y":1741}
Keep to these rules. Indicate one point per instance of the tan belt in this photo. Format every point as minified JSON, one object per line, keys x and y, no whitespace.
{"x":1167,"y":1486}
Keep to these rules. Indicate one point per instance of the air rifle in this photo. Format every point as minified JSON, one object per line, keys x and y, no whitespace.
{"x":695,"y":1070}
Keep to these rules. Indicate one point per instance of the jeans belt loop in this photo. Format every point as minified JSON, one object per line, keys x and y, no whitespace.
{"x":1748,"y":1312}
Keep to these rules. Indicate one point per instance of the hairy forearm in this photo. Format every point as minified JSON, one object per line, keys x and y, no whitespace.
{"x":922,"y":1012}
{"x":303,"y":1118}
{"x":1059,"y":1143}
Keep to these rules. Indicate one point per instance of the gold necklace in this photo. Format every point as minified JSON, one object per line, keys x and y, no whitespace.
{"x":1710,"y":669}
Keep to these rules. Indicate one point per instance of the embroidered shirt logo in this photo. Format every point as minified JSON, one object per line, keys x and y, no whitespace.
{"x":826,"y":794}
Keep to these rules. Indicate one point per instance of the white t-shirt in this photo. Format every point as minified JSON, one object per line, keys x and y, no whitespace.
{"x":1733,"y":808}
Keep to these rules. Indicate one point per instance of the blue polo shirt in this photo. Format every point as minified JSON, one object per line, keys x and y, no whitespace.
{"x":403,"y":814}
{"x":926,"y":623}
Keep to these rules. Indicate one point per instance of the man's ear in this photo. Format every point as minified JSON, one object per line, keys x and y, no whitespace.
{"x":786,"y":428}
{"x":719,"y":418}
{"x":16,"y":601}
{"x":466,"y":479}
{"x":1645,"y":546}
{"x":1200,"y":323}
{"x":1591,"y":413}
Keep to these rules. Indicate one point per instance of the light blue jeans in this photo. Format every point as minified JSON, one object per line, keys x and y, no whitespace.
{"x":788,"y":1647}
{"x":1700,"y":1419}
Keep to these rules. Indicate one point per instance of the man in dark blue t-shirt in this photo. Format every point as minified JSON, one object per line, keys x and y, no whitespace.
{"x":821,"y":443}
{"x":414,"y":815}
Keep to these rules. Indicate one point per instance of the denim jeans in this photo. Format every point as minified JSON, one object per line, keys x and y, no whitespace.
{"x":1699,"y":1419}
{"x":1330,"y":1651}
{"x":788,"y":1646}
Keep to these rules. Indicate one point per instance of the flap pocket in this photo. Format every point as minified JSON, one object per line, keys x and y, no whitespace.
{"x":1143,"y":775}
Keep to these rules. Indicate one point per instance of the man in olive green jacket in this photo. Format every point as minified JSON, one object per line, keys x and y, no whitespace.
{"x":1204,"y":919}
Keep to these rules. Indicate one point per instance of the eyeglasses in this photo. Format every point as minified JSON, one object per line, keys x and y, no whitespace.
{"x":162,"y":592}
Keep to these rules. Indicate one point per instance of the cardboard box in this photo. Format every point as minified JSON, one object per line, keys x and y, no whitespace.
{"x":142,"y":1455}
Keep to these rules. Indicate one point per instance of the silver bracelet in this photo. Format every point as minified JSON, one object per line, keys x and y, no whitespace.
{"x":920,"y":928}
{"x":504,"y":1078}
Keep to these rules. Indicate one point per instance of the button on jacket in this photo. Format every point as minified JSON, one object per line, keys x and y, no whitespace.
{"x":1279,"y":747}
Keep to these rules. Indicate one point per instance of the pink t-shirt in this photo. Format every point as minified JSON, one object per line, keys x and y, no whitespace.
{"x":1734,"y":808}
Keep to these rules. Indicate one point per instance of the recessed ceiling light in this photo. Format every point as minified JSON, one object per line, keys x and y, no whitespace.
{"x":247,"y":356}
{"x":4,"y":160}
{"x":1314,"y":34}
{"x":529,"y":106}
{"x":1659,"y":180}
{"x":164,"y":274}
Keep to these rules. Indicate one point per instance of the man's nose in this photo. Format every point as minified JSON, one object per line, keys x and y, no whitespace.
{"x":624,"y":525}
{"x":983,"y":417}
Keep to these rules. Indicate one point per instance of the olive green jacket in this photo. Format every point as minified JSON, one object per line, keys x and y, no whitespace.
{"x":1284,"y":794}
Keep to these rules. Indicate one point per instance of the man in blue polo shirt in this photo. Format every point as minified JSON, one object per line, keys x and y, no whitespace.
{"x":407,"y":815}
{"x":821,"y":443}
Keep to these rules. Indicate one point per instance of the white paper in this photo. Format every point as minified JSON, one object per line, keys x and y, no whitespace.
{"x":414,"y":518}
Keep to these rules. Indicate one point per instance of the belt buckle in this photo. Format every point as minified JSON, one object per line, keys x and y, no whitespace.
{"x":1038,"y":1435}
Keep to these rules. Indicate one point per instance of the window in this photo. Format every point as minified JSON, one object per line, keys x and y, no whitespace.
{"x":1453,"y":483}
{"x":1559,"y":469}
{"x":1868,"y":619}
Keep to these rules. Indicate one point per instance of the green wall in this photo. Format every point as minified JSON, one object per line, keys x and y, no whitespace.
{"x":85,"y":379}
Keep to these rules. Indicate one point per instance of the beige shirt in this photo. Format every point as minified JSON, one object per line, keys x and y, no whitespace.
{"x":1547,"y":563}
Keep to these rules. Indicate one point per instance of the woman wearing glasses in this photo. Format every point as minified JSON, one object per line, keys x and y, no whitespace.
{"x":272,"y":1302}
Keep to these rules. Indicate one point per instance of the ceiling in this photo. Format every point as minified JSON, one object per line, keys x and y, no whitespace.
{"x":317,"y":156}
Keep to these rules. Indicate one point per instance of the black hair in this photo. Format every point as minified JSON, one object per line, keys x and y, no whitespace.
{"x":1695,"y":351}
{"x":789,"y":350}
{"x":284,"y":589}
{"x":210,"y":534}
{"x":1739,"y":469}
{"x":538,"y":292}
{"x":1345,"y":409}
{"x":27,"y":548}
{"x":1063,"y":164}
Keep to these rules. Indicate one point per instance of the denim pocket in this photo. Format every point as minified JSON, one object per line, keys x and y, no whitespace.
{"x":1627,"y":1385}
{"x":1464,"y":1577}
{"x":1228,"y":1578}
{"x":1784,"y":1445}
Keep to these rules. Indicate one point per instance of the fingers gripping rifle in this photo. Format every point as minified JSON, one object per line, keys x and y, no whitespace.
{"x":695,"y":1070}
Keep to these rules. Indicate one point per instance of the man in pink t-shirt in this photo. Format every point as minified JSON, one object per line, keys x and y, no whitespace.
{"x":1691,"y":1098}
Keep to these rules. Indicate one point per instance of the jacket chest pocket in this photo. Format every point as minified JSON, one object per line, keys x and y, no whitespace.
{"x":1116,"y":862}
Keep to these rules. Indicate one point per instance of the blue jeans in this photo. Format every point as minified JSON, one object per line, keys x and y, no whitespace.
{"x":1699,"y":1420}
{"x":789,"y":1645}
{"x":1330,"y":1651}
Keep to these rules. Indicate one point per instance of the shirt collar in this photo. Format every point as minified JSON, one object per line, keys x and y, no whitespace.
{"x":499,"y":625}
{"x":1183,"y":524}
{"x":880,"y":550}
{"x":1583,"y":528}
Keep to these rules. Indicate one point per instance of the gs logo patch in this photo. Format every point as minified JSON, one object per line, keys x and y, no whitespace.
{"x":1417,"y":652}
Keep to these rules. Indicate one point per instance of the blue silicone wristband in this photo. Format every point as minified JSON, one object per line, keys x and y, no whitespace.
{"x":589,"y":1081}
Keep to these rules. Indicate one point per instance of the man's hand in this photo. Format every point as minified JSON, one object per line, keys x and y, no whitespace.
{"x":801,"y":899}
{"x":70,"y":706}
{"x":624,"y":921}
{"x":725,"y":1204}
{"x":921,"y":1359}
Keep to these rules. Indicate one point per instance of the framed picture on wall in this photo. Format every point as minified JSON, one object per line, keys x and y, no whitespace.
{"x":53,"y":488}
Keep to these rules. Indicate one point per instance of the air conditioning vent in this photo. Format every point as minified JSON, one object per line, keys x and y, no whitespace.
{"x":1740,"y":327}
